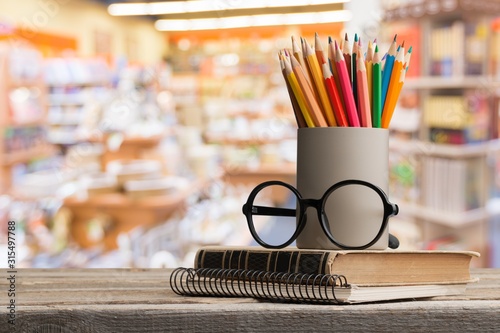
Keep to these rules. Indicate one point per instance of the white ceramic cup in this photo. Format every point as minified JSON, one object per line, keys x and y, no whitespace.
{"x":328,"y":155}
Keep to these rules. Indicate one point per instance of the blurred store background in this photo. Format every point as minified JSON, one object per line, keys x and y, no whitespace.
{"x":130,"y":136}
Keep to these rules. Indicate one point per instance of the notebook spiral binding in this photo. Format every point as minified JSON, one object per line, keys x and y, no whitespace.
{"x":274,"y":286}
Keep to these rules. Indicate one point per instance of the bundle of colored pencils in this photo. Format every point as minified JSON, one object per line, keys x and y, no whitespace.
{"x":344,"y":86}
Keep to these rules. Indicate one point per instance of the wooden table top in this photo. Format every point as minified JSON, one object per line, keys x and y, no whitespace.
{"x":141,"y":300}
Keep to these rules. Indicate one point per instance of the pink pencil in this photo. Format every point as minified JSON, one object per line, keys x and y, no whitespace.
{"x":345,"y":85}
{"x":363,"y":95}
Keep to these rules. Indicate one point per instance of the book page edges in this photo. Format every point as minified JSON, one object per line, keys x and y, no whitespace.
{"x":332,"y":252}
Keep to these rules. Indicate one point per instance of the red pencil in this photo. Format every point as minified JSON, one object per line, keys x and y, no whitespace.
{"x":333,"y":94}
{"x":345,"y":84}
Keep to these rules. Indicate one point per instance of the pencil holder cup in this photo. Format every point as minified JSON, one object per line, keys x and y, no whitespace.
{"x":328,"y":155}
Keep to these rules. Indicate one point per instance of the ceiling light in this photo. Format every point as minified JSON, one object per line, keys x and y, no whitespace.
{"x":197,"y":6}
{"x":253,"y":21}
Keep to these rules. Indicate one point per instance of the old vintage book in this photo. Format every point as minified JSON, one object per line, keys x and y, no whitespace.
{"x":297,"y":287}
{"x":366,"y":267}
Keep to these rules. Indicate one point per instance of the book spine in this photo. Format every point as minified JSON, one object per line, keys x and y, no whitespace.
{"x":274,"y":286}
{"x":289,"y":261}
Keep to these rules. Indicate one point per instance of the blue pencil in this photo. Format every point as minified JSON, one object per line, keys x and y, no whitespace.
{"x":387,"y":70}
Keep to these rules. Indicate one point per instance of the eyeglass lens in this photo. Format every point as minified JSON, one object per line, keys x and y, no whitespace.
{"x":275,"y":230}
{"x":340,"y":210}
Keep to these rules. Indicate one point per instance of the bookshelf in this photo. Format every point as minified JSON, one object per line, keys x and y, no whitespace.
{"x":23,"y":139}
{"x":74,"y":86}
{"x":232,"y":96}
{"x":443,"y":166}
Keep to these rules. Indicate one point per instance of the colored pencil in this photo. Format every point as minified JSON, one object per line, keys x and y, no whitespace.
{"x":368,"y":66}
{"x":408,"y":57}
{"x":387,"y":69}
{"x":333,"y":68}
{"x":318,"y":82}
{"x":334,"y":96}
{"x":346,"y":88}
{"x":306,"y":68}
{"x":297,"y":53}
{"x":312,"y":105}
{"x":377,"y":90}
{"x":354,"y":54}
{"x":346,"y":51}
{"x":392,"y":91}
{"x":364,"y":108}
{"x":294,"y":96}
{"x":318,"y":50}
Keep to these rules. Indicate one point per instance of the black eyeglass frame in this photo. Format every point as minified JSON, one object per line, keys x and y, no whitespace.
{"x":249,"y":210}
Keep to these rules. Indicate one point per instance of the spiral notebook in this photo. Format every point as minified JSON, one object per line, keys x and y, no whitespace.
{"x":297,"y":287}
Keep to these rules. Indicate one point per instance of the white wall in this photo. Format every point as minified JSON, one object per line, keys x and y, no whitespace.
{"x":366,"y":17}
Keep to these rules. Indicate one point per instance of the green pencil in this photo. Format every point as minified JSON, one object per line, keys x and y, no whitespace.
{"x":376,"y":90}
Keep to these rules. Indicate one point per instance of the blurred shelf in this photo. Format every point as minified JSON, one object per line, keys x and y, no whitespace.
{"x":125,"y":213}
{"x":27,"y":155}
{"x":225,"y":140}
{"x":145,"y":141}
{"x":456,"y":82}
{"x":254,"y":175}
{"x":446,"y":150}
{"x":449,"y":219}
{"x":419,"y":9}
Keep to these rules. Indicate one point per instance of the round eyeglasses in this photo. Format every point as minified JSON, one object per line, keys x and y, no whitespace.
{"x":276,"y":213}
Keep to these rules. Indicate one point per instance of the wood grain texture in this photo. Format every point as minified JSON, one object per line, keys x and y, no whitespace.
{"x":140,"y":300}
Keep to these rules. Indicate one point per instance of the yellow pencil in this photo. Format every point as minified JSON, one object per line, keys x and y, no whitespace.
{"x":392,"y":90}
{"x":368,"y":65}
{"x":317,"y":79}
{"x":299,"y":96}
{"x":299,"y":116}
{"x":311,"y":102}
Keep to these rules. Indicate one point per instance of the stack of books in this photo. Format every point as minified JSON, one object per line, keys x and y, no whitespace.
{"x":324,"y":276}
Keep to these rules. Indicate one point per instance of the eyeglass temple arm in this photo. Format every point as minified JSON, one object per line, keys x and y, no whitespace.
{"x":273,"y":211}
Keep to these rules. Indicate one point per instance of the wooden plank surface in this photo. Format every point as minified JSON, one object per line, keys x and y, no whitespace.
{"x":140,"y":300}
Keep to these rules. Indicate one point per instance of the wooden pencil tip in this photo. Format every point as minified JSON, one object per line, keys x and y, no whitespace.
{"x":410,"y":49}
{"x":355,"y":37}
{"x":395,"y":37}
{"x":346,"y":37}
{"x":330,"y":40}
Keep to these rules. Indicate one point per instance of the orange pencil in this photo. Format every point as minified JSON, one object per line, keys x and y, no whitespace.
{"x":312,"y":104}
{"x":334,"y":96}
{"x":297,"y":53}
{"x":346,"y":88}
{"x":318,"y":49}
{"x":363,"y":96}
